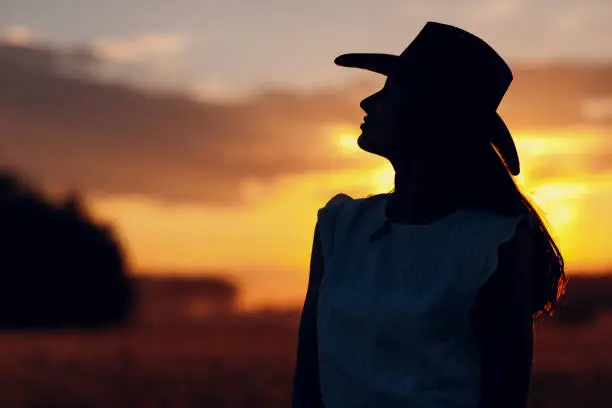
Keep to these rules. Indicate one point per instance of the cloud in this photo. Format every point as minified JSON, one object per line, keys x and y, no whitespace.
{"x":215,"y":88}
{"x":70,"y":130}
{"x":150,"y":60}
{"x":107,"y":138}
{"x":16,"y":35}
{"x":598,"y":109}
{"x":39,"y":59}
{"x":554,"y":94}
{"x":142,"y":47}
{"x":477,"y":13}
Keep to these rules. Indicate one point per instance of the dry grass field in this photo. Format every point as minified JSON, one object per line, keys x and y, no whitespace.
{"x":244,"y":361}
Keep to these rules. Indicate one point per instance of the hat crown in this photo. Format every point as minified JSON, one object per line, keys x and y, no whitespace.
{"x":458,"y":59}
{"x":455,"y":68}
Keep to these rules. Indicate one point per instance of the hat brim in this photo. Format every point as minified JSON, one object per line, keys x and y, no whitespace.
{"x":387,"y":64}
{"x":502,"y":140}
{"x":380,"y":63}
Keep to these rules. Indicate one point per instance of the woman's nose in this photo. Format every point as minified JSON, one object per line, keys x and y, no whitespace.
{"x":369,"y":103}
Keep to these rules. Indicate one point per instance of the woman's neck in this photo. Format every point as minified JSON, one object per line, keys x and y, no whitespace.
{"x":423,"y":194}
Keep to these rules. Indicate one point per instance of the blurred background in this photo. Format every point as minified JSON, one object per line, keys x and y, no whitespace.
{"x":161,"y":165}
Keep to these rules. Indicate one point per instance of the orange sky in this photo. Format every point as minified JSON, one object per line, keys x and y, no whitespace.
{"x":267,"y":243}
{"x":209,"y":139}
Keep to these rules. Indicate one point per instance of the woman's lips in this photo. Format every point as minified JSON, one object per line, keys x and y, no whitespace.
{"x":366,"y":122}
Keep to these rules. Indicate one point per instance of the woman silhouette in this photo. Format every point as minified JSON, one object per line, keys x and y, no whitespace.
{"x":425,"y":297}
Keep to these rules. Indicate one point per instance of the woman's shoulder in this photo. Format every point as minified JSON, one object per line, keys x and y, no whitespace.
{"x":501,"y":239}
{"x":338,"y":199}
{"x":343,"y":197}
{"x":512,"y":232}
{"x":506,"y":226}
{"x":342,"y":212}
{"x":334,"y":205}
{"x":331,"y":220}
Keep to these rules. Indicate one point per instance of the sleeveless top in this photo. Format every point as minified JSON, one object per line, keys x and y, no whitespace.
{"x":393,"y":315}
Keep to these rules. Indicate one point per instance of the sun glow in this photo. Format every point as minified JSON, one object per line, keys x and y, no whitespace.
{"x":556,"y":202}
{"x":383,"y":178}
{"x":344,"y":139}
{"x":270,"y":236}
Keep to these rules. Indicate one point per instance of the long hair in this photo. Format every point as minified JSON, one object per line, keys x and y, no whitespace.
{"x":490,"y":186}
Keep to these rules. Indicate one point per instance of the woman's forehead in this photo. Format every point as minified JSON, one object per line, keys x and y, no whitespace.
{"x":396,"y":85}
{"x":397,"y":81}
{"x":391,"y":83}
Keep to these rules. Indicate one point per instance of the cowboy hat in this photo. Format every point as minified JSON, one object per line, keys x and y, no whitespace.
{"x":461,"y":66}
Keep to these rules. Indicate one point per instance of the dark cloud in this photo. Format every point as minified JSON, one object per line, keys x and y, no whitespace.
{"x":555,"y":95}
{"x":67,"y":129}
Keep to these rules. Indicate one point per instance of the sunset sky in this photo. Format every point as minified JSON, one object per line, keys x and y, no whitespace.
{"x":210,"y":132}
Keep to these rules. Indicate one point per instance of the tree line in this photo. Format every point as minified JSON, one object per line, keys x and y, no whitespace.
{"x":58,"y":266}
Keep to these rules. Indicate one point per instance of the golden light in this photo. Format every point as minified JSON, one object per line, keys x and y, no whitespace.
{"x":345,"y":139}
{"x":271,"y":235}
{"x":539,"y":145}
{"x":348,"y":143}
{"x":383,"y":178}
{"x":557,"y":143}
{"x":556,"y":203}
{"x":560,"y":190}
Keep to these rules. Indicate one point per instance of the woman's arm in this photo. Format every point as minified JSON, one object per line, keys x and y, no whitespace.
{"x":306,"y":389}
{"x":504,"y":325}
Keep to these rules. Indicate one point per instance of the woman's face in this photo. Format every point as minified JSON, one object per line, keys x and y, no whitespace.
{"x":396,"y":119}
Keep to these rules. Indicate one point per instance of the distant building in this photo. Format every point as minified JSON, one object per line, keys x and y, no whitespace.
{"x":167,"y":300}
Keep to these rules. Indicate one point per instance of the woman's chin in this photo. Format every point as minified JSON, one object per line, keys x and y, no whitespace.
{"x":365,"y":142}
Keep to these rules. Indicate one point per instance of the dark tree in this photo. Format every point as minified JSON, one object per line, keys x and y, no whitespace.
{"x":57,"y":266}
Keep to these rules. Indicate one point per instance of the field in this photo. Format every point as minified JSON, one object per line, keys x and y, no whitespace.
{"x":244,"y":361}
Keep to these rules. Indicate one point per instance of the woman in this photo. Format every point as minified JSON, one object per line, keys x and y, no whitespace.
{"x":425,"y":297}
